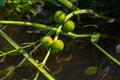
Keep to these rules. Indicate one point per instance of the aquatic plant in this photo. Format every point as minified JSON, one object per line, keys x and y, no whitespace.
{"x":64,"y":26}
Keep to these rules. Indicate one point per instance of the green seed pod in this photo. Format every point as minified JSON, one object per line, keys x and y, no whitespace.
{"x":59,"y":16}
{"x":68,"y":26}
{"x":57,"y":45}
{"x":47,"y":41}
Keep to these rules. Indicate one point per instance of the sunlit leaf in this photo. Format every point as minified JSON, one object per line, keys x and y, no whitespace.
{"x":16,"y":1}
{"x":2,"y":3}
{"x":30,"y":1}
{"x":23,"y":7}
{"x":95,"y":37}
{"x":91,"y":70}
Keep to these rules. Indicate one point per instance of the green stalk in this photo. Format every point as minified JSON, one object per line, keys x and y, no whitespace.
{"x":107,"y":54}
{"x":83,"y":11}
{"x":31,"y":44}
{"x":28,"y":24}
{"x":71,"y":6}
{"x":25,"y":54}
{"x":46,"y":57}
{"x":36,"y":76}
{"x":23,"y":60}
{"x":70,"y":34}
{"x":58,"y":32}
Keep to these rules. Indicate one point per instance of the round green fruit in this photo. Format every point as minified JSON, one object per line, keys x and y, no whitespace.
{"x":68,"y":26}
{"x":57,"y":45}
{"x":47,"y":41}
{"x":59,"y":16}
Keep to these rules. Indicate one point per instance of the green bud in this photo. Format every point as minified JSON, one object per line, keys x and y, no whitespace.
{"x":59,"y":16}
{"x":47,"y":41}
{"x":57,"y":45}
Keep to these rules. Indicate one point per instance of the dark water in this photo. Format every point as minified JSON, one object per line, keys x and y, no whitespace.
{"x":73,"y":60}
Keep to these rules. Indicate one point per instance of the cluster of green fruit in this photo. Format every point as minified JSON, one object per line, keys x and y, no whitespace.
{"x":58,"y":45}
{"x":68,"y":25}
{"x":55,"y":45}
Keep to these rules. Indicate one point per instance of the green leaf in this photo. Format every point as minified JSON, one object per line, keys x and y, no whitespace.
{"x":55,"y":2}
{"x":20,"y":1}
{"x":30,"y":2}
{"x":23,"y":7}
{"x":95,"y":37}
{"x":2,"y":3}
{"x":91,"y":70}
{"x":16,"y":1}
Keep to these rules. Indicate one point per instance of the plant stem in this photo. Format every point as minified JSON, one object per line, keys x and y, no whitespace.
{"x":69,"y":4}
{"x":70,"y":34}
{"x":107,"y":54}
{"x":58,"y":32}
{"x":36,"y":76}
{"x":25,"y":54}
{"x":31,"y":44}
{"x":83,"y":11}
{"x":28,"y":24}
{"x":74,"y":8}
{"x":23,"y":60}
{"x":46,"y":57}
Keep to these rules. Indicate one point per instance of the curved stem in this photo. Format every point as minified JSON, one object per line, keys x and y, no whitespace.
{"x":70,"y":34}
{"x":74,"y":8}
{"x":82,"y":11}
{"x":69,"y":4}
{"x":68,"y":17}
